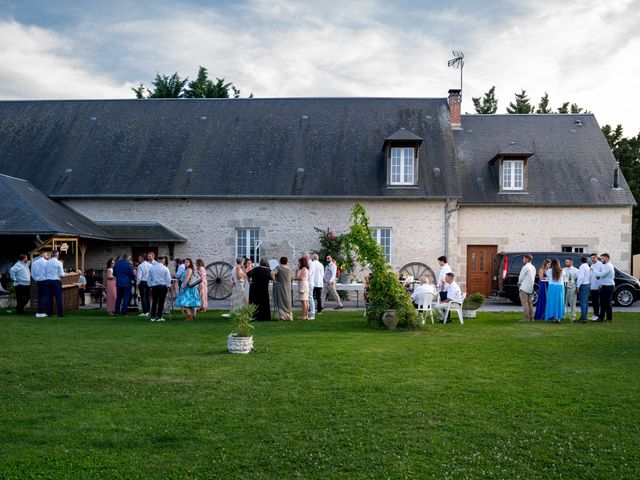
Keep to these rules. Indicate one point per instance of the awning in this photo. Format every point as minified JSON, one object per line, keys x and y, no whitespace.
{"x":138,"y":232}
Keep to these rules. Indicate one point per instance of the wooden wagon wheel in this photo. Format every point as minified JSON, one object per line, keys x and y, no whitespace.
{"x":219,"y":280}
{"x":418,"y":270}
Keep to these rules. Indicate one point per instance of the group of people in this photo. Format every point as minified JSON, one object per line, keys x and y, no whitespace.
{"x":251,"y":286}
{"x":446,"y":290}
{"x":47,"y":272}
{"x":560,"y":288}
{"x":152,"y":280}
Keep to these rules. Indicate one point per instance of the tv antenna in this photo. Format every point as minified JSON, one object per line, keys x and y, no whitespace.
{"x":457,"y":62}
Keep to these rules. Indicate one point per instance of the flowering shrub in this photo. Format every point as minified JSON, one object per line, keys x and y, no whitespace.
{"x":333,"y":244}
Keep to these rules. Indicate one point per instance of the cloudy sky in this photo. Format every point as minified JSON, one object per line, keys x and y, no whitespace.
{"x":579,"y":51}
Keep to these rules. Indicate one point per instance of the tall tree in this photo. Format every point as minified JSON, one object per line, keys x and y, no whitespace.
{"x":488,"y":104}
{"x":522,"y":104}
{"x":543,"y":106}
{"x":627,"y":153}
{"x":564,"y":108}
{"x":164,"y":86}
{"x":576,"y":109}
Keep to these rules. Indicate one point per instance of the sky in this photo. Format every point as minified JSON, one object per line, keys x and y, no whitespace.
{"x":585,"y":51}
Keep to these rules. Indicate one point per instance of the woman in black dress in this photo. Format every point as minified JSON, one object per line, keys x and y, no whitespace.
{"x":259,"y":289}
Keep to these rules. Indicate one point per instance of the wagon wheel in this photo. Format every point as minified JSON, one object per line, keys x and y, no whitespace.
{"x":418,"y":270}
{"x":219,"y":280}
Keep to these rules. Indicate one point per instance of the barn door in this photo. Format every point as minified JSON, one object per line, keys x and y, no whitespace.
{"x":480,"y":268}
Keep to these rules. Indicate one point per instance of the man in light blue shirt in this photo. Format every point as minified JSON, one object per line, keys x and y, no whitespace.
{"x":21,"y":278}
{"x":54,"y":273}
{"x":607,"y":284}
{"x":40,"y":277}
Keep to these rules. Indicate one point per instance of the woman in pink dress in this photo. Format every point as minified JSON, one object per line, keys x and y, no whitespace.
{"x":203,"y":289}
{"x":110,"y":290}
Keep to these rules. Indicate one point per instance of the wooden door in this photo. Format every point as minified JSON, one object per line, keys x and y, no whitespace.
{"x":480,"y":268}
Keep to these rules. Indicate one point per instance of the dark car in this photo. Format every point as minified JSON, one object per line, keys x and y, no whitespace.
{"x":507,"y":268}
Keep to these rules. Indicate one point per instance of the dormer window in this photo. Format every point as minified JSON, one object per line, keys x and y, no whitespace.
{"x":510,"y":168}
{"x":402,"y":166}
{"x":513,"y":174}
{"x":401,"y":152}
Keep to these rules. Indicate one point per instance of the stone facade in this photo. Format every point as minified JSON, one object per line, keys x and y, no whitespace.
{"x":210,"y":225}
{"x":600,"y":229}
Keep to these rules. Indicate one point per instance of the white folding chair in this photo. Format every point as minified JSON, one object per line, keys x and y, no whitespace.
{"x":424,"y":302}
{"x":456,"y":307}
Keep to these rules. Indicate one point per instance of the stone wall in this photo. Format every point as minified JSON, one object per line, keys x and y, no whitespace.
{"x":210,"y":225}
{"x":606,"y":229}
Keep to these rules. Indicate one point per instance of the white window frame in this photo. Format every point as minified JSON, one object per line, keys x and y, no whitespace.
{"x":400,"y":175}
{"x":513,"y":175}
{"x":574,"y":248}
{"x":244,"y":244}
{"x":377,"y":234}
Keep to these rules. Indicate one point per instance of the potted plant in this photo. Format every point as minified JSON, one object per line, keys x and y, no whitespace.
{"x":241,"y":339}
{"x":471,"y":304}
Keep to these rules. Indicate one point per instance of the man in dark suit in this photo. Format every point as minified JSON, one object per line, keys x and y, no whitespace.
{"x":123,"y":271}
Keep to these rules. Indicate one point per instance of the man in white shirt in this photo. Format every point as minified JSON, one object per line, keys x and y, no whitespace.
{"x":607,"y":284}
{"x":142,"y":279}
{"x":422,"y":288}
{"x":310,"y":280}
{"x":595,"y":285}
{"x":21,"y":279}
{"x":160,"y":281}
{"x":526,"y":281}
{"x":318,"y":280}
{"x":54,"y":272}
{"x":583,"y":286}
{"x":570,"y":289}
{"x":441,"y":283}
{"x":454,"y":295}
{"x":40,"y":277}
{"x":330,"y":281}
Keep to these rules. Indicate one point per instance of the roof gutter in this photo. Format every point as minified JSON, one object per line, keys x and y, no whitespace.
{"x":248,"y":197}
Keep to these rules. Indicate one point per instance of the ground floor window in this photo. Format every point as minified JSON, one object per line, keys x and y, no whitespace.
{"x":574,"y":248}
{"x":383,"y":237}
{"x":248,"y":243}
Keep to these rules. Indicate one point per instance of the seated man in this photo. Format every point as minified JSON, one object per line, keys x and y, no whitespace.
{"x":423,"y":287}
{"x":82,"y":285}
{"x":454,"y":295}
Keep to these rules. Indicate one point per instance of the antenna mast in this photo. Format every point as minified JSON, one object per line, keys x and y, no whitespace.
{"x":457,"y":62}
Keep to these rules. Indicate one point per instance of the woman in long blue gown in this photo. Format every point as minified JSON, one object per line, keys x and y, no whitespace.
{"x":188,"y":297}
{"x":542,"y":290}
{"x":554,"y":310}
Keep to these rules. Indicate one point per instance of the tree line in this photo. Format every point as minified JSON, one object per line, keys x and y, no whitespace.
{"x":626,"y":150}
{"x":174,"y":86}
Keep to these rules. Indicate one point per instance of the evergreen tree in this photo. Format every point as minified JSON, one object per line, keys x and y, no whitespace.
{"x":576,"y":109}
{"x":564,"y":108}
{"x":488,"y":104}
{"x":543,"y":106}
{"x":522,"y":104}
{"x":165,"y":86}
{"x":173,"y":86}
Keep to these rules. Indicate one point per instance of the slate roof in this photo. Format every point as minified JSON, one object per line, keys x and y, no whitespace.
{"x":303,"y":147}
{"x":571,"y":165}
{"x":140,"y":232}
{"x":24,"y":210}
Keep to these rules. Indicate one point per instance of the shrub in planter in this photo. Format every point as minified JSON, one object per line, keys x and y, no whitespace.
{"x":241,"y":339}
{"x":473,"y":301}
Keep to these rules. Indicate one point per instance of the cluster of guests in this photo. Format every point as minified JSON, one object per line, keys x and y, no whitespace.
{"x":47,"y":272}
{"x":560,"y":288}
{"x":251,"y":285}
{"x":152,"y":280}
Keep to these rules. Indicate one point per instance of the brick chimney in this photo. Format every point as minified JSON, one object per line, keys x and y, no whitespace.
{"x":455,"y":106}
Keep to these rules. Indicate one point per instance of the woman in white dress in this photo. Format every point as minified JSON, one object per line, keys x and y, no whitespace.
{"x":238,"y":297}
{"x":303,"y":285}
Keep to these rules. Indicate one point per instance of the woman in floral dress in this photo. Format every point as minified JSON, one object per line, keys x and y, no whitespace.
{"x":203,"y":288}
{"x":110,"y":287}
{"x":238,"y":297}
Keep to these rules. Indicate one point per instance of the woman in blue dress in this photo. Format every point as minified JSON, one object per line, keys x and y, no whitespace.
{"x":554,"y":310}
{"x":542,"y":290}
{"x":188,"y":297}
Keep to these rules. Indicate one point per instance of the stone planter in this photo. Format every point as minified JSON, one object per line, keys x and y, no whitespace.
{"x":469,"y":309}
{"x":390,"y":319}
{"x":242,"y":345}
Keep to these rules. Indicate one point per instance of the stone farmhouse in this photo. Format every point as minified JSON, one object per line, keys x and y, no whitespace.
{"x":218,"y":178}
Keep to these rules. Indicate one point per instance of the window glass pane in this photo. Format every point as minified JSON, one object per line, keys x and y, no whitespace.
{"x":506,"y":174}
{"x":247,"y":240}
{"x":383,"y":238}
{"x":517,"y":173}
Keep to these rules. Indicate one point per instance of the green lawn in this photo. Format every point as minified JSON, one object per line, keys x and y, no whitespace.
{"x":88,"y":396}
